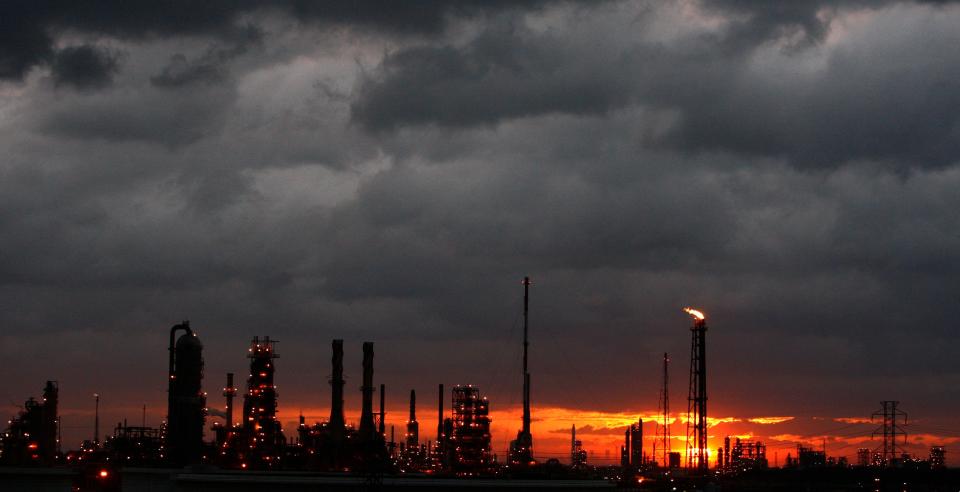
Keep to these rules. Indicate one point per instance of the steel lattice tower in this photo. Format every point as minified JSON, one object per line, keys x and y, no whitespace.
{"x":663,"y":430}
{"x":890,"y":430}
{"x":697,"y":395}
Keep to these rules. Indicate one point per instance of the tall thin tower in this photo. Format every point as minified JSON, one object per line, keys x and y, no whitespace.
{"x":96,"y":421}
{"x":697,"y":396}
{"x":521,"y":449}
{"x":336,"y":423}
{"x":382,"y":428}
{"x":661,"y":446}
{"x":526,"y":345}
{"x":890,"y":429}
{"x":413,"y":427}
{"x":229,"y":391}
{"x":573,"y":445}
{"x":368,"y":429}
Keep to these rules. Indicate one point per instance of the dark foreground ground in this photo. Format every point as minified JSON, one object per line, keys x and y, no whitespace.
{"x":821,"y":480}
{"x":167,"y":480}
{"x":164,"y":480}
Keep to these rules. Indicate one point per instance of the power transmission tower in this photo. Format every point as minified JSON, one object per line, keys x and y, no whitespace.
{"x":889,"y":429}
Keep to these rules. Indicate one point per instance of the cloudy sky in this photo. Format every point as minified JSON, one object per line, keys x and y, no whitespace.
{"x":389,"y":171}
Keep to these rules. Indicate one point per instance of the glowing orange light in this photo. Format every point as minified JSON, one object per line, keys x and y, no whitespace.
{"x":695,"y":313}
{"x":104,"y":474}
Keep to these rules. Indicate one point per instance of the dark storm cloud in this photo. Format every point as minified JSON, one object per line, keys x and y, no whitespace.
{"x":756,"y":21}
{"x":210,"y":67}
{"x":861,"y":105}
{"x":29,"y":28}
{"x":506,"y":72}
{"x":84,"y":67}
{"x":180,"y":72}
{"x":152,"y":116}
{"x":22,"y":43}
{"x":789,"y":169}
{"x":893,"y":96}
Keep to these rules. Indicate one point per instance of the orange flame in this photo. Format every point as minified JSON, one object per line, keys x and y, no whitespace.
{"x":693,"y":312}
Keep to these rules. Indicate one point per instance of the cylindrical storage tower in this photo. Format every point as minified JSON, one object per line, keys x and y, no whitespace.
{"x":187,"y":403}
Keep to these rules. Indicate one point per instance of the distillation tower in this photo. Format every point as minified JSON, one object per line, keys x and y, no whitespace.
{"x":185,"y":398}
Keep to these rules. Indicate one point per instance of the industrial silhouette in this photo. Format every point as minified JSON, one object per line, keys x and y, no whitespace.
{"x":257,"y":442}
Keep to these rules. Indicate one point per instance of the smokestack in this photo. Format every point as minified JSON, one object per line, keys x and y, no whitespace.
{"x":440,"y":416}
{"x":626,"y":445}
{"x":229,"y":392}
{"x":336,"y":388}
{"x":96,"y":422}
{"x":573,"y":444}
{"x":367,"y":428}
{"x":413,"y":427}
{"x":383,"y":414}
{"x":413,"y":406}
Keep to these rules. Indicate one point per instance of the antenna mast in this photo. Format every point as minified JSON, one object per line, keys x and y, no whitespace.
{"x":526,"y":345}
{"x":521,"y":449}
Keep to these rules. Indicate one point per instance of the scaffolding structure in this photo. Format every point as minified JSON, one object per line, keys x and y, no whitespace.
{"x":260,"y":427}
{"x":744,"y":455}
{"x":470,"y":433}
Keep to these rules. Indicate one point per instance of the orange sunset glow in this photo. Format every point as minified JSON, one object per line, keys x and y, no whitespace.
{"x":602,"y":432}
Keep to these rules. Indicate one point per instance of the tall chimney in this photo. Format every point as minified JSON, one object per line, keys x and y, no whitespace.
{"x":440,"y":416}
{"x":229,"y":392}
{"x":336,"y":385}
{"x":626,"y":446}
{"x":383,"y":414}
{"x":413,"y":427}
{"x":413,"y":405}
{"x":573,"y":444}
{"x":367,"y":428}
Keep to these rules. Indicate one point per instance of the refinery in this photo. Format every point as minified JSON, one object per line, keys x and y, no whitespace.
{"x":200,"y":448}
